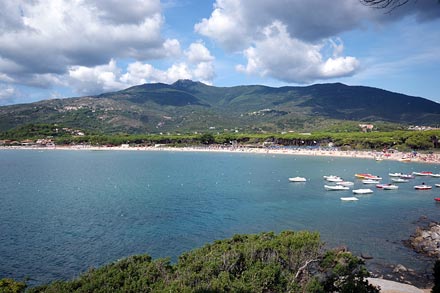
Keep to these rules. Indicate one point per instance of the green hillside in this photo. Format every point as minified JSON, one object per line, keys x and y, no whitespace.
{"x":187,"y":106}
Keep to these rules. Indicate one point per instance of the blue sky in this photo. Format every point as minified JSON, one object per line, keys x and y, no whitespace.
{"x":63,"y":48}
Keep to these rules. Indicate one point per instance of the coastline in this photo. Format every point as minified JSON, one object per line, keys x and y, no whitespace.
{"x":433,"y":158}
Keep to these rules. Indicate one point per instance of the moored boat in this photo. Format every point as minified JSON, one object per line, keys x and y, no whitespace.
{"x":351,"y":198}
{"x":424,"y":173}
{"x":362,"y":175}
{"x":390,"y":187}
{"x":362,"y":191}
{"x":406,"y":176}
{"x":437,"y":185}
{"x":346,"y":183}
{"x":335,"y":187}
{"x":395,"y":174}
{"x":297,"y":179}
{"x":435,"y":175}
{"x":399,"y":180}
{"x":423,"y":187}
{"x":334,"y":179}
{"x":437,"y":199}
{"x":370,"y":181}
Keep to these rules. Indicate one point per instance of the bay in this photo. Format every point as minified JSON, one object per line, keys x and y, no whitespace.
{"x":63,"y":212}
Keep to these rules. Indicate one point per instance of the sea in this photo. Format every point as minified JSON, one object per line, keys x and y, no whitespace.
{"x":63,"y":212}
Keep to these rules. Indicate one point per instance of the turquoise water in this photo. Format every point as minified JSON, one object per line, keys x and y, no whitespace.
{"x":63,"y":212}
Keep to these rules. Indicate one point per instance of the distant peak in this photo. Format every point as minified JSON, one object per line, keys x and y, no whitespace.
{"x":185,"y":83}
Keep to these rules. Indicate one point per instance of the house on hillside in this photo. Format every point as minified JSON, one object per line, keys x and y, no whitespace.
{"x":366,"y":127}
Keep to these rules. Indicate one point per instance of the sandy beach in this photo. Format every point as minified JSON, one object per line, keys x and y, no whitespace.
{"x":433,"y":158}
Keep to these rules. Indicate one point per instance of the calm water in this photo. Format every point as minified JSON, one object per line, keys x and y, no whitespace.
{"x":63,"y":212}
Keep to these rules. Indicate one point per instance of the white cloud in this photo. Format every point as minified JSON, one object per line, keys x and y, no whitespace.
{"x":102,"y":78}
{"x":51,"y":36}
{"x":8,"y":94}
{"x":288,"y":59}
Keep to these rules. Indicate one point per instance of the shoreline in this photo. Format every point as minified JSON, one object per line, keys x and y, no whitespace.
{"x":433,"y":158}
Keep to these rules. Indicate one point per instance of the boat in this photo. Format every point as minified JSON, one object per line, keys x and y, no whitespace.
{"x":297,"y":179}
{"x":406,"y":176}
{"x":435,"y":175}
{"x":437,"y":199}
{"x":395,"y":174}
{"x":381,"y":185}
{"x":362,"y":191}
{"x":335,"y":187}
{"x":351,"y":198}
{"x":370,"y":181}
{"x":346,"y":183}
{"x":437,"y":185}
{"x":399,"y":180}
{"x":423,"y":187}
{"x":330,"y":176}
{"x":405,"y":159}
{"x":362,"y":175}
{"x":335,"y":179}
{"x":373,"y":177}
{"x":424,"y":173}
{"x":390,"y":187}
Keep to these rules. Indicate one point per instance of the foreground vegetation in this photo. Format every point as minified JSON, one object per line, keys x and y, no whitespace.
{"x":400,"y":139}
{"x":266,"y":262}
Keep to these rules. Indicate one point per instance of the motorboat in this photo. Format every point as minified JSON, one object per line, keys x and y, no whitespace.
{"x":297,"y":179}
{"x":399,"y":180}
{"x":406,"y":176}
{"x":435,"y":175}
{"x":437,"y":199}
{"x":370,"y":181}
{"x":390,"y":187}
{"x":335,"y":187}
{"x":362,"y":175}
{"x":351,"y":198}
{"x":330,"y":176}
{"x":437,"y":185}
{"x":335,"y":179}
{"x":346,"y":183}
{"x":381,"y":185}
{"x":424,"y":173}
{"x":395,"y":174}
{"x":362,"y":191}
{"x":423,"y":187}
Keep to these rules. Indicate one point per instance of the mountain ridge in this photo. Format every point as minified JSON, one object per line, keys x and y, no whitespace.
{"x":186,"y":106}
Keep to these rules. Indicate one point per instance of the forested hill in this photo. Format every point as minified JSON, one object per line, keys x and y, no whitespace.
{"x":186,"y":106}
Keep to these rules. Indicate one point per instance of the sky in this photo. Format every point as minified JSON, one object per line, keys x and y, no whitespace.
{"x":66,"y":48}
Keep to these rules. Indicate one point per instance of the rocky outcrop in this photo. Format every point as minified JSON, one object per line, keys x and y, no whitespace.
{"x":426,"y":240}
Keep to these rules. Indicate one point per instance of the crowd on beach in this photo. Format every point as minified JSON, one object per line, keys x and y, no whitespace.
{"x":318,"y":151}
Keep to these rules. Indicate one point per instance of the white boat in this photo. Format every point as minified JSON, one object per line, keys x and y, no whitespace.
{"x":336,"y":179}
{"x":362,"y":191}
{"x":395,"y":174}
{"x":370,"y":181}
{"x":437,"y":185}
{"x":330,"y":176}
{"x":390,"y":187}
{"x":399,"y":180}
{"x":352,"y":198}
{"x":297,"y":179}
{"x":346,"y":183}
{"x":422,"y":187}
{"x":424,"y":173}
{"x":435,"y":175}
{"x":335,"y":187}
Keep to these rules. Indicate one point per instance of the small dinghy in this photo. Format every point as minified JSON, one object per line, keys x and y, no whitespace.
{"x":297,"y":179}
{"x":422,"y":187}
{"x":351,"y":198}
{"x":390,"y":187}
{"x":399,"y":180}
{"x":370,"y":181}
{"x":437,"y":199}
{"x":346,"y":183}
{"x":362,"y":191}
{"x":335,"y":187}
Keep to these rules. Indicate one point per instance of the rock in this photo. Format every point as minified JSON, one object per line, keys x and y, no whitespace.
{"x":399,"y":268}
{"x":366,"y":256}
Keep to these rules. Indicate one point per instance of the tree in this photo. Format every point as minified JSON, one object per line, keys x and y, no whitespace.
{"x":385,"y":4}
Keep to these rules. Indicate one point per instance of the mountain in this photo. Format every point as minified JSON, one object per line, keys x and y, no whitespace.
{"x":193,"y":106}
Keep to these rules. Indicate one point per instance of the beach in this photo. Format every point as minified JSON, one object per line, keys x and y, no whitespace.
{"x":432,"y":158}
